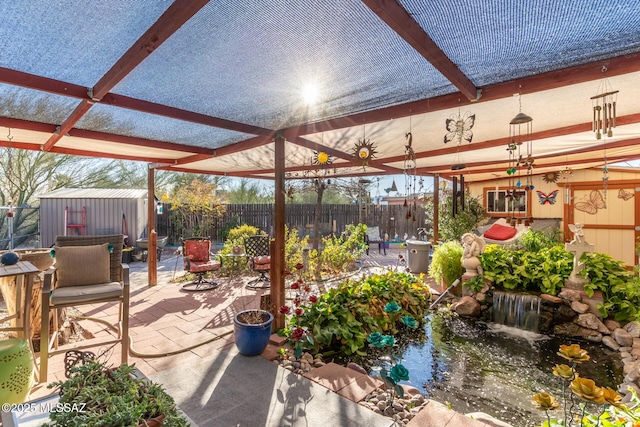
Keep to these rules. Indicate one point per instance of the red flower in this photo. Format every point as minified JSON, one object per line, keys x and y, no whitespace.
{"x":300,"y":280}
{"x":307,"y":288}
{"x":296,"y":301}
{"x":287,"y":272}
{"x":299,"y":266}
{"x":313,"y":298}
{"x":295,"y":285}
{"x":298,"y":334}
{"x":285,"y":309}
{"x":299,"y":311}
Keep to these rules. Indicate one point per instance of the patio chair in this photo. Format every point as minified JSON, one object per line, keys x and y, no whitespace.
{"x":373,"y":236}
{"x":257,"y":250}
{"x":88,"y":270}
{"x":198,"y":260}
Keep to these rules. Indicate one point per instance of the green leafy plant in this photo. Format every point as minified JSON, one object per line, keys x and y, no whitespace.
{"x":446,"y":264}
{"x":544,"y":270}
{"x":620,"y":289}
{"x":476,"y":283}
{"x":341,"y":251}
{"x":235,"y":237}
{"x":344,"y":316}
{"x":536,"y":240}
{"x":112,"y":397}
{"x":453,"y":227}
{"x":584,"y":404}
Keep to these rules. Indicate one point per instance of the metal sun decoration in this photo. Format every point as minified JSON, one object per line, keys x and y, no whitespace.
{"x":364,"y":151}
{"x":321,"y":158}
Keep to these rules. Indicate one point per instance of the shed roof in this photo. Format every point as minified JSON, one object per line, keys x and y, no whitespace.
{"x":200,"y":86}
{"x":95,"y":193}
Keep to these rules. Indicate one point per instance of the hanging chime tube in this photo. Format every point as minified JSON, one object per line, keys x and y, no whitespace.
{"x":462,"y":193}
{"x":455,"y":197}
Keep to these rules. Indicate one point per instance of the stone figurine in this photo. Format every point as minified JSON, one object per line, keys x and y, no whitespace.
{"x":473,"y":246}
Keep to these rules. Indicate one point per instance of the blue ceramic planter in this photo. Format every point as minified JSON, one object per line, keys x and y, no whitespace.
{"x":252,"y":339}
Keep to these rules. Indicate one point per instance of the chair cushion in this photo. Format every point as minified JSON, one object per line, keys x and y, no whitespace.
{"x":261,"y":267}
{"x":86,"y":293}
{"x":197,"y":250}
{"x":260,"y":260}
{"x":198,"y":267}
{"x":500,"y":232}
{"x":82,"y":265}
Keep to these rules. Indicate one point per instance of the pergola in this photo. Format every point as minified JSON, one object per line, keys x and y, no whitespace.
{"x":216,"y":86}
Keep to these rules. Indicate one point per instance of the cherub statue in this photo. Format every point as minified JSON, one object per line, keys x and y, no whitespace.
{"x":473,"y":246}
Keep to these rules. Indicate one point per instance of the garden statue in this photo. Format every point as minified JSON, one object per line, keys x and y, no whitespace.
{"x":577,"y":246}
{"x":473,"y":246}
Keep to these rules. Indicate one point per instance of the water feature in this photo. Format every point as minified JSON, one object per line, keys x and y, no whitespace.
{"x":495,"y":369}
{"x":517,"y":310}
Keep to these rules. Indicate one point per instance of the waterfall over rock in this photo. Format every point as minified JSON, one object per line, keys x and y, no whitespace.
{"x":517,"y":310}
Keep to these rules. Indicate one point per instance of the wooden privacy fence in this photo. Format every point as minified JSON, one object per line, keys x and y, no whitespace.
{"x":391,"y":219}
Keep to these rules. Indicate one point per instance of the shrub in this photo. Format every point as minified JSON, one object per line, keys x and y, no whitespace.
{"x":343,"y":318}
{"x":236,"y":238}
{"x":446,"y":264}
{"x":620,"y":289}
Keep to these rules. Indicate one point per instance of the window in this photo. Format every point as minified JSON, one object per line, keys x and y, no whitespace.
{"x":496,"y":201}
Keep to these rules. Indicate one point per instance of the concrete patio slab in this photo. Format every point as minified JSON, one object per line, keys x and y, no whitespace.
{"x":229,"y":389}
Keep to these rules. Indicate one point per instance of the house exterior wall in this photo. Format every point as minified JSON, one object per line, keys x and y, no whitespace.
{"x":581,"y":198}
{"x":103,"y":216}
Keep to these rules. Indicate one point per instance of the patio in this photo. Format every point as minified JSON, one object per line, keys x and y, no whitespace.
{"x":213,"y":382}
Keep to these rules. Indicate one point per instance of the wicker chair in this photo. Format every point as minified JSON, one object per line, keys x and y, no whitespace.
{"x":88,"y":270}
{"x":257,"y":250}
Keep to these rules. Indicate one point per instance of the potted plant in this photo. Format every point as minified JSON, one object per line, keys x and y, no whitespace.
{"x":106,"y":396}
{"x":252,"y":330}
{"x":446,"y":264}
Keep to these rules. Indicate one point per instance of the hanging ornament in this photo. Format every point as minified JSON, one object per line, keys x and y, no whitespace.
{"x":459,"y":127}
{"x":321,"y":158}
{"x":604,"y":109}
{"x":551,"y":177}
{"x":364,"y":151}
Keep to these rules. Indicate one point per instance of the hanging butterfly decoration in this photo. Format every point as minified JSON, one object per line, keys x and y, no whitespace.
{"x":364,"y":151}
{"x":459,"y":128}
{"x":547,"y":198}
{"x":551,"y":177}
{"x":596,"y":201}
{"x":321,"y":158}
{"x":624,"y":194}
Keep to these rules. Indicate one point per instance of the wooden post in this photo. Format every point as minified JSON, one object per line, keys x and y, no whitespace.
{"x":277,"y":248}
{"x":436,"y":205}
{"x":152,"y":257}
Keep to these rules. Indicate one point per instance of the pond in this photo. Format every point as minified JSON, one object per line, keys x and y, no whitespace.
{"x":496,"y":369}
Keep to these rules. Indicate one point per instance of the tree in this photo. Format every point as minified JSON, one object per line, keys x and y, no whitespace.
{"x":466,"y":220}
{"x":31,"y":173}
{"x":248,"y":192}
{"x":196,"y":207}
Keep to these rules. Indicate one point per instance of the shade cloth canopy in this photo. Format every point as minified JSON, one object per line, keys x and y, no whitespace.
{"x":204,"y":86}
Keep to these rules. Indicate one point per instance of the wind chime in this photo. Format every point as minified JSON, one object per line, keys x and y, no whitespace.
{"x":604,"y":109}
{"x":604,"y":120}
{"x":520,"y":131}
{"x":410,"y":179}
